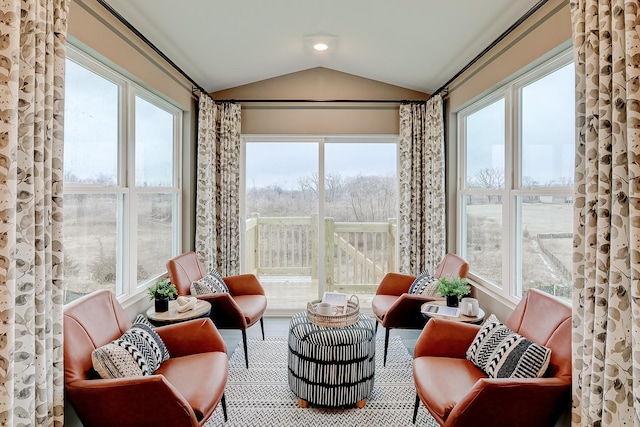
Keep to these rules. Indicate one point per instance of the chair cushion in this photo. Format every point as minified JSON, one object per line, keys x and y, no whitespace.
{"x":502,"y":353}
{"x":381,"y":304}
{"x":252,"y":307}
{"x":442,"y":382}
{"x":424,"y":282}
{"x":199,"y":378}
{"x":139,"y":351}
{"x":212,"y":283}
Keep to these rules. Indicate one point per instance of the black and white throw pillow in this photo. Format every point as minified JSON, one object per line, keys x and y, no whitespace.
{"x":212,"y":283}
{"x":139,"y":351}
{"x":424,"y":284}
{"x":503,"y":353}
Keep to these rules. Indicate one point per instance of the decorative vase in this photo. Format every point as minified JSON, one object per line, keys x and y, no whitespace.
{"x":452,"y":300}
{"x":162,"y":305}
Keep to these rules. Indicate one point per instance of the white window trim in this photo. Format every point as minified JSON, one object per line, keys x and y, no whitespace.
{"x":510,"y":91}
{"x":128,"y":90}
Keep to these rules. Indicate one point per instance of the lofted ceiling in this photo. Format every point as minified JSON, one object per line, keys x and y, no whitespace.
{"x":415,"y":44}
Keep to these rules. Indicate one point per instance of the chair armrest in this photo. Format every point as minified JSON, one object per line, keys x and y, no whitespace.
{"x":445,"y":338}
{"x":244,"y":284}
{"x":405,"y":312}
{"x":526,"y":402}
{"x":191,"y":337}
{"x":395,"y":284}
{"x":125,"y":402}
{"x":225,"y":312}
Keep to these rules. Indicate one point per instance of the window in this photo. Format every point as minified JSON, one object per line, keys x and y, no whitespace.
{"x":121,"y":193}
{"x":320,"y":216}
{"x":516,"y":183}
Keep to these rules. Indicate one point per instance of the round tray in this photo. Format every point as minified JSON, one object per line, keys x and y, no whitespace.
{"x":336,"y":320}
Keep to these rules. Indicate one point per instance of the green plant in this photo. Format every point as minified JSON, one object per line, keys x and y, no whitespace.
{"x":455,"y":286}
{"x":163,"y":288}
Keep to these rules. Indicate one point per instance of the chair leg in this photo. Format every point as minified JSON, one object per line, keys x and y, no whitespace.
{"x":386,"y":345}
{"x":415,"y":408}
{"x":224,"y":408}
{"x":377,"y":323}
{"x":262,"y":327}
{"x":244,"y":344}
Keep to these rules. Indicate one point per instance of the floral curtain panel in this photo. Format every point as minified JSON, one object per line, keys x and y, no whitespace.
{"x":218,"y":186}
{"x":31,"y":130}
{"x":421,"y":226}
{"x":606,"y":336}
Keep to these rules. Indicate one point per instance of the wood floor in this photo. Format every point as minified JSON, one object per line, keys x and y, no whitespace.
{"x":279,"y":327}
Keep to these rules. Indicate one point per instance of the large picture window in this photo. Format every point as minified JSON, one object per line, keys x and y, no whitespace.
{"x":320,"y":216}
{"x":516,"y":182}
{"x":121,"y":193}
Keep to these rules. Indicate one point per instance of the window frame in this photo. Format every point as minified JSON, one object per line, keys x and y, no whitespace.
{"x":322,"y":140}
{"x":127,"y":288}
{"x":513,"y":189}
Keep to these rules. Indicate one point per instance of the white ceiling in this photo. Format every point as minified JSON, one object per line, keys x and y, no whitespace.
{"x":416,"y":44}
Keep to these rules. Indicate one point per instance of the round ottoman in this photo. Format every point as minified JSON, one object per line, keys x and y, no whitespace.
{"x":331,"y":366}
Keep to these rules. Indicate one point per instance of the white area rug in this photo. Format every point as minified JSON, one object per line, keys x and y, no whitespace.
{"x":260,"y":395}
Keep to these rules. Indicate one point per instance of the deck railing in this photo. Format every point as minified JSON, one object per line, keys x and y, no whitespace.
{"x":357,"y":254}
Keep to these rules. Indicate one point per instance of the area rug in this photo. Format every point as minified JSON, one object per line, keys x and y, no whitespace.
{"x":260,"y":395}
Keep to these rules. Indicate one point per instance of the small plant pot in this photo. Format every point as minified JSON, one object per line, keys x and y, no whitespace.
{"x":452,"y":301}
{"x":162,"y":305}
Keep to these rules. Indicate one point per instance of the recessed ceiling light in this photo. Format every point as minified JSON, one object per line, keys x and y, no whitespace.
{"x":320,"y":46}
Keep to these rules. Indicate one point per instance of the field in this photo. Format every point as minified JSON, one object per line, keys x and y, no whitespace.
{"x":90,"y":246}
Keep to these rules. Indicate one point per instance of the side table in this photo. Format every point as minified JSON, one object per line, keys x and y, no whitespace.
{"x":202,"y":309}
{"x":461,"y":318}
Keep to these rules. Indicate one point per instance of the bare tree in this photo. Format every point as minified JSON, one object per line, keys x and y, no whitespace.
{"x":489,"y":178}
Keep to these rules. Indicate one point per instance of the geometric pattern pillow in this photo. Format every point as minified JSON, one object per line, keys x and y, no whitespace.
{"x":113,"y":361}
{"x":503,"y":353}
{"x":212,"y":283}
{"x":421,"y":282}
{"x":140,"y":346}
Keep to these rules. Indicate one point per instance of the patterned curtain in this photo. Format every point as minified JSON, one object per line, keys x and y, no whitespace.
{"x":421,"y":226}
{"x":606,"y":335}
{"x":218,"y":186}
{"x":32,"y":58}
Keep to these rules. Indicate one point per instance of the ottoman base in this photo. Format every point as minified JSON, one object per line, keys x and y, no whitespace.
{"x":304,"y":404}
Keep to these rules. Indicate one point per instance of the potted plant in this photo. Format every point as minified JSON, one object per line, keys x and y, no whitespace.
{"x":453,"y":289}
{"x":162,"y":291}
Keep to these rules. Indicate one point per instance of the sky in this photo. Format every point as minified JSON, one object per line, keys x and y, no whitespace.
{"x":283,"y":163}
{"x":547,"y":128}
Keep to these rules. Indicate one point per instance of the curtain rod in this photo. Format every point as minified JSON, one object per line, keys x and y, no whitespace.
{"x":350,"y":101}
{"x":148,"y":42}
{"x":493,"y":44}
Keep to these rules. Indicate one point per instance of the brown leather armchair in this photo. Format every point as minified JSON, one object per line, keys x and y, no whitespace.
{"x":458,"y":394}
{"x":240,"y":309}
{"x":395,"y":308}
{"x":183,"y":392}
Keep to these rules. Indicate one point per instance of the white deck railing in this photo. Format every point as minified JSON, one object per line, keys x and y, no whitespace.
{"x":356,"y":253}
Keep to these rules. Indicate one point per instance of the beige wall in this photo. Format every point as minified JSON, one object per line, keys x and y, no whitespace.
{"x":544,"y":34}
{"x":315,"y":118}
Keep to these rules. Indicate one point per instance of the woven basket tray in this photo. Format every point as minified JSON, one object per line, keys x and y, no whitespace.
{"x":336,"y":320}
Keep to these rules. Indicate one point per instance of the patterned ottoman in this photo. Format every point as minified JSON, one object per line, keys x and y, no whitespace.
{"x":331,"y":366}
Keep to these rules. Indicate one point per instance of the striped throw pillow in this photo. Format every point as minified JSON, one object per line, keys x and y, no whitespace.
{"x":139,"y":351}
{"x":212,"y":283}
{"x":503,"y":353}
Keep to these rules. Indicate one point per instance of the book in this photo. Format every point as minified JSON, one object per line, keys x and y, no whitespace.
{"x":337,"y":299}
{"x":441,"y":310}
